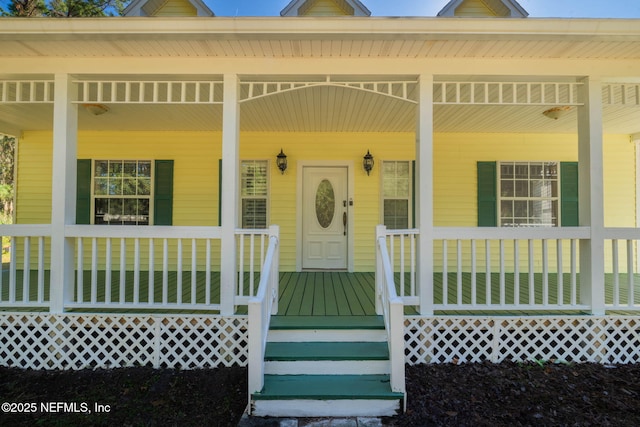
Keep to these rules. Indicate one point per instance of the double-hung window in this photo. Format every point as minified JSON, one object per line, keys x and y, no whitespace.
{"x":122,"y":192}
{"x":529,"y":194}
{"x":254,"y":193}
{"x":396,"y":194}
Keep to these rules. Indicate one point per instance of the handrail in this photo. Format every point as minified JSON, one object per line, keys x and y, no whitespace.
{"x":392,"y":309}
{"x":261,"y":307}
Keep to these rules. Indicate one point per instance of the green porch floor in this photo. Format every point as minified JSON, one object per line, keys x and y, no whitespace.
{"x":321,"y":293}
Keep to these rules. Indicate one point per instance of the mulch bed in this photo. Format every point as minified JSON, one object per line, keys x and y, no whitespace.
{"x":506,"y":394}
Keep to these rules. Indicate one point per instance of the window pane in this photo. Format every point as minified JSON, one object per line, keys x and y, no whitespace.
{"x":254,"y":178}
{"x":521,"y":171}
{"x":144,"y":169}
{"x":102,"y":168}
{"x":101,"y":186}
{"x":144,"y":186}
{"x":115,"y":168}
{"x":396,"y":190}
{"x":129,"y":186}
{"x":130,"y":169}
{"x":396,"y":214}
{"x":506,"y":170}
{"x":522,"y":188}
{"x":101,"y":208}
{"x":506,"y":188}
{"x":143,"y":211}
{"x":115,"y":187}
{"x":254,"y":213}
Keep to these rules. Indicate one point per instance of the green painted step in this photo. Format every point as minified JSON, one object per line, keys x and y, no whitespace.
{"x":326,"y":387}
{"x":290,"y":351}
{"x":326,"y":322}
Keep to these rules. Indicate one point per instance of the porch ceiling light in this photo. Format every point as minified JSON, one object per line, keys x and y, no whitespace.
{"x":556,"y":112}
{"x":96,"y":109}
{"x":281,"y":161}
{"x":367,"y":162}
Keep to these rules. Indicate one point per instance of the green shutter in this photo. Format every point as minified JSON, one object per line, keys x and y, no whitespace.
{"x":487,"y":195}
{"x":413,"y":194}
{"x":163,"y":193}
{"x":83,"y":192}
{"x":569,"y":194}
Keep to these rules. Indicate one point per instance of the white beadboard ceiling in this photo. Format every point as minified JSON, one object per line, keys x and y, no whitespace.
{"x":319,"y":109}
{"x":322,"y":108}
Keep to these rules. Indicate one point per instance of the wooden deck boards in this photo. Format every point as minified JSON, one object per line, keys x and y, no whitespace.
{"x":327,"y":293}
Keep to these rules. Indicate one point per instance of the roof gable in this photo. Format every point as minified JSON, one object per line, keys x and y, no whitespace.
{"x":325,"y":7}
{"x":501,"y":8}
{"x":167,"y":8}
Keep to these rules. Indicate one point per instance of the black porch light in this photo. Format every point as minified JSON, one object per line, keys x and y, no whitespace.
{"x":281,"y":161}
{"x":367,"y":162}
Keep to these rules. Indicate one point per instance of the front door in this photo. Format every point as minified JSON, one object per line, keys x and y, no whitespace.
{"x":324,"y":217}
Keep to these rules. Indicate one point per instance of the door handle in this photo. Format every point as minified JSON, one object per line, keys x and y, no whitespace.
{"x":344,"y":222}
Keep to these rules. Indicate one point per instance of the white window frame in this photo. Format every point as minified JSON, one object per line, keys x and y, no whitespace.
{"x":102,"y":196}
{"x":556,"y":198}
{"x":266,"y":197}
{"x":409,"y":197}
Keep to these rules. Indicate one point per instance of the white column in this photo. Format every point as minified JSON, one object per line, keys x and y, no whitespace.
{"x":635,"y":138}
{"x":424,"y":193}
{"x":591,"y":194}
{"x":229,"y":199}
{"x":63,"y":191}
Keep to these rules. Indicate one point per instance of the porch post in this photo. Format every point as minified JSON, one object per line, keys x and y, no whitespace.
{"x":591,"y":195}
{"x":63,"y":192}
{"x":229,"y":207}
{"x":424,"y":193}
{"x":635,"y":138}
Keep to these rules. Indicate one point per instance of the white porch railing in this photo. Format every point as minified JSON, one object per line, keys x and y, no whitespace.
{"x":479,"y":269}
{"x":25,"y":283}
{"x":392,"y":308}
{"x":622,"y":286}
{"x":137,"y":255}
{"x":261,"y":307}
{"x":252,"y":246}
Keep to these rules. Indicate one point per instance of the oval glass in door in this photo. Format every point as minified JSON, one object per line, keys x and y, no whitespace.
{"x":325,"y":203}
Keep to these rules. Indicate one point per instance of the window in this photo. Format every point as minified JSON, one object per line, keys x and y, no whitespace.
{"x":253,"y":193}
{"x":528,"y":194}
{"x":122,"y":192}
{"x":396,"y":194}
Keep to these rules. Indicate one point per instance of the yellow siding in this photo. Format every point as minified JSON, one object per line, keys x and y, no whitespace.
{"x":327,"y":146}
{"x":177,"y":8}
{"x":196,"y":157}
{"x":473,"y":8}
{"x":33,"y":187}
{"x":455,"y":177}
{"x":324,"y":8}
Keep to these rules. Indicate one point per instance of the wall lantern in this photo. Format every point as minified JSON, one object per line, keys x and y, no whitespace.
{"x":281,"y":161}
{"x":367,"y":162}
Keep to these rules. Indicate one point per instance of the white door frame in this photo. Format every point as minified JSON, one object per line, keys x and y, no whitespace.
{"x":350,"y":212}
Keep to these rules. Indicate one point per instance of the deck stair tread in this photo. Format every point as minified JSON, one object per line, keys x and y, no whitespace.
{"x":326,"y":322}
{"x":326,"y":387}
{"x":297,"y":351}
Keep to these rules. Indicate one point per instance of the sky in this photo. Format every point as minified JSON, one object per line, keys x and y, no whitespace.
{"x":536,"y":8}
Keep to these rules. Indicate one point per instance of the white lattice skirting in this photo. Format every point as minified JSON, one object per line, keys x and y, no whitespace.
{"x":77,"y":341}
{"x":497,"y":339}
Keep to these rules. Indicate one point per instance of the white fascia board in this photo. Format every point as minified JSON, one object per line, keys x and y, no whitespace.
{"x":360,"y":27}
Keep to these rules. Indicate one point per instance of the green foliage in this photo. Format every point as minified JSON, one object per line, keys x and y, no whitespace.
{"x":7,"y":160}
{"x":64,"y":8}
{"x":25,"y":8}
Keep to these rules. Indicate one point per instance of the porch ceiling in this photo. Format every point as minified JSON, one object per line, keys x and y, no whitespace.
{"x":318,"y":109}
{"x":275,"y":37}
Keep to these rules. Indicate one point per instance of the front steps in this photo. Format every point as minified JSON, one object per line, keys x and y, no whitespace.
{"x":326,"y":366}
